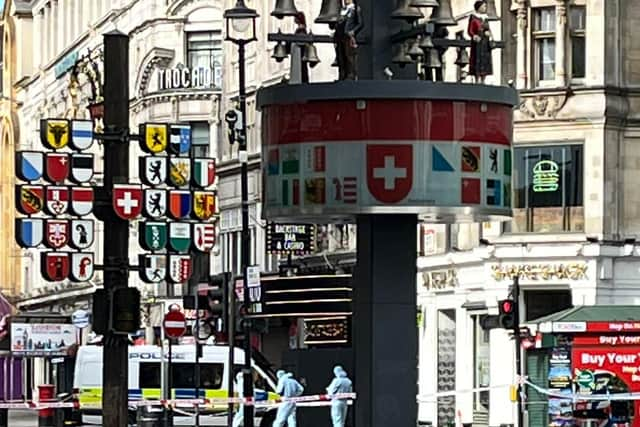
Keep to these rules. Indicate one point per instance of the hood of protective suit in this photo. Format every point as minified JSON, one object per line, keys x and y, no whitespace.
{"x":280,"y":373}
{"x":339,"y":372}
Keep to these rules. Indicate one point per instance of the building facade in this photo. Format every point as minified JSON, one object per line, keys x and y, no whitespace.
{"x":572,"y":237}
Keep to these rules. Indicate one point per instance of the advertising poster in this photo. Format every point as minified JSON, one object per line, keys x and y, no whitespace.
{"x":42,"y":339}
{"x":560,"y":410}
{"x":601,"y":370}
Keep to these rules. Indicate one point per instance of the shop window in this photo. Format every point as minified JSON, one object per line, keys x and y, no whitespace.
{"x":204,"y":50}
{"x":544,"y":302}
{"x":481,"y":365}
{"x":577,"y":18}
{"x":544,"y":37}
{"x":548,"y":189}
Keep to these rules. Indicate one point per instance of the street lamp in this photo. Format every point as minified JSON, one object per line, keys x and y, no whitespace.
{"x":239,"y":19}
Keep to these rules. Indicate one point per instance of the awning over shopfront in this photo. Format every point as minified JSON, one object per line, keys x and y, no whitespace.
{"x":594,"y":318}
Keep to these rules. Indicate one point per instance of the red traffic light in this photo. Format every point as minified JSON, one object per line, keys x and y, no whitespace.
{"x":506,"y":306}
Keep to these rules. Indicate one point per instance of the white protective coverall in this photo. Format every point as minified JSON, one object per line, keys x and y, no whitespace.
{"x":340,"y":384}
{"x":287,"y":387}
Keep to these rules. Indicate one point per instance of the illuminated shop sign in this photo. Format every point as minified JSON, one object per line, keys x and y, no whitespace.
{"x":189,"y":78}
{"x":296,"y":239}
{"x":546,"y":176}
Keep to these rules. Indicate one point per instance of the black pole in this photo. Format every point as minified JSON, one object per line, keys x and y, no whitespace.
{"x":169,"y":395}
{"x":116,"y":247}
{"x":518,"y":341}
{"x":231,"y":328}
{"x":246,"y":239}
{"x":198,"y":352}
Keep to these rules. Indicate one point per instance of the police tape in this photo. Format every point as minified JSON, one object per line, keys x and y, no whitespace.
{"x":432,"y":397}
{"x":311,"y":400}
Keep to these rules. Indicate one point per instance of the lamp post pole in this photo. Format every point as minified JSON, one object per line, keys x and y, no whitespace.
{"x":240,"y":18}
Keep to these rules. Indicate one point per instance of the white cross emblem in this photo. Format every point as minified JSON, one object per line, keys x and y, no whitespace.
{"x":127,"y":203}
{"x":389,"y":173}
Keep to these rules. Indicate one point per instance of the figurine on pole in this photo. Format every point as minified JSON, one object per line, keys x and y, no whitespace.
{"x":347,"y":28}
{"x":480,"y":63}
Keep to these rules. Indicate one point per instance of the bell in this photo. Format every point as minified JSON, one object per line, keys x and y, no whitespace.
{"x":462,"y":60}
{"x":401,"y":58}
{"x":280,"y":52}
{"x":432,"y":59}
{"x":406,"y":12}
{"x":423,"y":3}
{"x":415,"y":52}
{"x":329,"y":12}
{"x":284,"y":8}
{"x":492,"y":15}
{"x":426,"y":42}
{"x":443,"y":15}
{"x":310,"y":55}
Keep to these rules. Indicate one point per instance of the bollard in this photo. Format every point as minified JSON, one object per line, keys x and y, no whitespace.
{"x":46,"y":416}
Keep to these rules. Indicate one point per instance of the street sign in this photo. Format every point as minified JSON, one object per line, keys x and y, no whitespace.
{"x":80,"y":319}
{"x":175,"y":324}
{"x":127,"y":201}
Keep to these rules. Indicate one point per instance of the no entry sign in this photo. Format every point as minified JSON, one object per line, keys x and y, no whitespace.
{"x":174,"y":324}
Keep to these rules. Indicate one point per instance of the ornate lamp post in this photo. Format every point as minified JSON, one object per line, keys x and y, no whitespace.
{"x":241,"y":30}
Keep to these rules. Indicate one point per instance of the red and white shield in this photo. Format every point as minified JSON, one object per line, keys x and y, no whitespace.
{"x":57,"y":198}
{"x":204,"y":236}
{"x":56,"y":167}
{"x":180,"y":268}
{"x":56,"y":233}
{"x":54,"y":266}
{"x":389,"y":172}
{"x":81,"y":200}
{"x":127,"y":201}
{"x":81,"y":266}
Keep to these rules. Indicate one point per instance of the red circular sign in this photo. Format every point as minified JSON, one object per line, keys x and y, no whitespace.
{"x":174,"y":324}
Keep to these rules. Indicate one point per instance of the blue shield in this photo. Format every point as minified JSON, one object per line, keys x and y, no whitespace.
{"x":29,"y":232}
{"x":29,"y":165}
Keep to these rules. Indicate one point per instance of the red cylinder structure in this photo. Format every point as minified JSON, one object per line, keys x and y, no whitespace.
{"x":46,"y":393}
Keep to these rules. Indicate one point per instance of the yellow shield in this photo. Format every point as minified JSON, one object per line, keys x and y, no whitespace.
{"x":54,"y":133}
{"x":204,"y":204}
{"x":155,"y":138}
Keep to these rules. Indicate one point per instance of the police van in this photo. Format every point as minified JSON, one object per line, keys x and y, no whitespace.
{"x":145,"y":378}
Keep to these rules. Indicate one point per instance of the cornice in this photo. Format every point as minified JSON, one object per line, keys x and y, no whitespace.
{"x":156,"y":57}
{"x":141,"y":103}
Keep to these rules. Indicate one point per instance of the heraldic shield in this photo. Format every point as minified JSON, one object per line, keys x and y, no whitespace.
{"x":29,"y":232}
{"x":204,"y":204}
{"x":154,"y":137}
{"x":54,"y":266}
{"x":155,"y":203}
{"x":81,"y":266}
{"x":81,"y":134}
{"x":153,"y":268}
{"x":204,"y":236}
{"x":56,"y":167}
{"x":29,"y":165}
{"x":82,"y":233}
{"x":29,"y":199}
{"x":179,"y":171}
{"x":54,"y":133}
{"x":57,"y":199}
{"x":180,"y":268}
{"x":81,"y":168}
{"x":153,"y":170}
{"x":180,"y":236}
{"x":56,"y":232}
{"x":152,"y":235}
{"x":81,"y":200}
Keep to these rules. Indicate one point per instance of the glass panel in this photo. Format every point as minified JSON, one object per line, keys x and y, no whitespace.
{"x":547,"y":58}
{"x":546,"y":19}
{"x":578,"y":57}
{"x":183,"y":375}
{"x":577,"y":18}
{"x":446,"y":366}
{"x":540,"y":303}
{"x":548,"y":220}
{"x":200,"y":133}
{"x":481,"y":363}
{"x":149,"y":376}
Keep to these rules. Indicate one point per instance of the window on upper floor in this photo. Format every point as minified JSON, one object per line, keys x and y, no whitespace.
{"x":204,"y":50}
{"x":548,"y":189}
{"x":544,"y":39}
{"x":200,"y":139}
{"x":577,"y":18}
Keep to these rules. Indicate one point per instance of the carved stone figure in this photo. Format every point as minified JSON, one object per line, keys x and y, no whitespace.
{"x":480,"y":62}
{"x":347,"y":28}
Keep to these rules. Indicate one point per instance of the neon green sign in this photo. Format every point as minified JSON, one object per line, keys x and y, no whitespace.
{"x":545,"y":176}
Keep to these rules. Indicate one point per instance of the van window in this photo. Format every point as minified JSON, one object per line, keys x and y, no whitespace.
{"x":149,"y":376}
{"x":183,"y":375}
{"x":259,"y":381}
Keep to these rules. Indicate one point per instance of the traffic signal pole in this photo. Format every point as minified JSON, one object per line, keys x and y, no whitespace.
{"x":518,"y":343}
{"x":116,"y":246}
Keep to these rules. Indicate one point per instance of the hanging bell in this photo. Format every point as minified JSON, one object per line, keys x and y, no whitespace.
{"x":492,"y":14}
{"x":401,"y":58}
{"x":310,"y":55}
{"x":415,"y":52}
{"x":432,"y":59}
{"x":284,"y":8}
{"x":426,"y":42}
{"x":280,"y":52}
{"x":423,"y":3}
{"x":462,"y":60}
{"x":443,"y":15}
{"x":406,"y":12}
{"x":329,"y":12}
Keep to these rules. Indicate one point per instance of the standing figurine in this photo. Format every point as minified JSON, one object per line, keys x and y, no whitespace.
{"x":299,"y":69}
{"x":347,"y":28}
{"x":340,"y":384}
{"x":480,"y":62}
{"x":287,"y":387}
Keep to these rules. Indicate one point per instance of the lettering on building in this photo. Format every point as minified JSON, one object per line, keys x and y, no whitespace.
{"x":440,"y":280}
{"x":573,"y":271}
{"x":187,"y":78}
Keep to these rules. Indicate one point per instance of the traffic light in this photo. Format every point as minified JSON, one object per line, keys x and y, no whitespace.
{"x":100,"y":312}
{"x":507,"y":316}
{"x":218,"y":301}
{"x":126,"y":310}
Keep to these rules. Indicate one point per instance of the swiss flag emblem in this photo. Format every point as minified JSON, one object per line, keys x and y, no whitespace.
{"x":127,"y":201}
{"x":389,"y":172}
